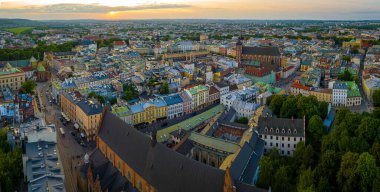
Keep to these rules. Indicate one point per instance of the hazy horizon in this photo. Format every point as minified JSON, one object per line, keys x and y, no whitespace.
{"x":191,"y":9}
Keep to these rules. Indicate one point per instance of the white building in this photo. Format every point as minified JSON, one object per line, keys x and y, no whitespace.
{"x":247,"y":95}
{"x":175,"y":106}
{"x":244,"y":109}
{"x":282,"y":134}
{"x":339,"y":96}
{"x":223,"y":88}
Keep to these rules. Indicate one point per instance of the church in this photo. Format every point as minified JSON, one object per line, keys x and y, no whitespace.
{"x":259,"y":63}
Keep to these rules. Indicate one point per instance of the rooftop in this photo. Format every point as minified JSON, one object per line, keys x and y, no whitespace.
{"x":214,"y":143}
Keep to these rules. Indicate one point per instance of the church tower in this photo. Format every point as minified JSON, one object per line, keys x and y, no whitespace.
{"x":157,"y":46}
{"x":239,"y":50}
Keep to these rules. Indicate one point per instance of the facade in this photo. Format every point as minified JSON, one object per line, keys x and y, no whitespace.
{"x":174,"y":105}
{"x":322,"y":94}
{"x":86,"y":113}
{"x":11,"y":77}
{"x":149,"y":111}
{"x":244,"y":109}
{"x":346,"y":94}
{"x":339,"y":96}
{"x":247,"y":95}
{"x":223,"y":88}
{"x":259,"y":62}
{"x":370,"y":85}
{"x":187,"y":103}
{"x":297,"y":88}
{"x":199,"y":96}
{"x":282,"y":134}
{"x":213,"y":95}
{"x":88,"y":117}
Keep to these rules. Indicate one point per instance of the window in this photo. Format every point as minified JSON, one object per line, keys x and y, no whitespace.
{"x":282,"y":138}
{"x":276,"y":144}
{"x":282,"y":151}
{"x":288,"y":152}
{"x":294,"y":145}
{"x":276,"y":138}
{"x":282,"y":145}
{"x":288,"y":138}
{"x":271,"y":144}
{"x":271,"y":137}
{"x":288,"y":145}
{"x":295,"y":139}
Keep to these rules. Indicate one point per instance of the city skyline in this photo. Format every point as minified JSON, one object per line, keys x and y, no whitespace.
{"x":191,"y":9}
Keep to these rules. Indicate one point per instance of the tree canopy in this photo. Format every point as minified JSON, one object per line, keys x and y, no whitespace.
{"x":345,"y":159}
{"x":130,"y":92}
{"x":28,"y":86}
{"x":10,"y":164}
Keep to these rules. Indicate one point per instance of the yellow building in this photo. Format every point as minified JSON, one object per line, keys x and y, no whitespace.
{"x":87,"y":114}
{"x":68,"y":103}
{"x":11,"y":77}
{"x":148,"y":112}
{"x":352,"y":44}
{"x":370,"y":85}
{"x":88,"y":117}
{"x":199,"y":95}
{"x":322,"y":94}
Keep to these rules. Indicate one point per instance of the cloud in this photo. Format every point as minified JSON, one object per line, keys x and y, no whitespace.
{"x":86,"y":8}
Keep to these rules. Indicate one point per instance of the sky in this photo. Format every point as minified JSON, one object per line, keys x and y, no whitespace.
{"x":191,"y":9}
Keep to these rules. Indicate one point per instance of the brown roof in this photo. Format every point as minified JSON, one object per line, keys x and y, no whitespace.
{"x":163,"y":168}
{"x":269,"y":51}
{"x":213,"y":90}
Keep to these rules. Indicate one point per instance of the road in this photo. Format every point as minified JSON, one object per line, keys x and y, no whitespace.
{"x":70,"y":151}
{"x":366,"y":105}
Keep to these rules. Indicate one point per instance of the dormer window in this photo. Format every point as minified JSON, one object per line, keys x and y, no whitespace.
{"x":283,"y":131}
{"x":295,"y":131}
{"x":277,"y":131}
{"x":289,"y":131}
{"x":266,"y":129}
{"x":271,"y":130}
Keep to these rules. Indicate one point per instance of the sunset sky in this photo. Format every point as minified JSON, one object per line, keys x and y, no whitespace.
{"x":190,"y":9}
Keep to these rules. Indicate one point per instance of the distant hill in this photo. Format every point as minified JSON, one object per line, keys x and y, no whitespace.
{"x":18,"y":22}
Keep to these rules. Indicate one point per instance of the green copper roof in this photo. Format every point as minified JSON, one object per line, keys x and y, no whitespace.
{"x":121,"y":111}
{"x":40,"y":67}
{"x":197,"y":89}
{"x":353,"y":89}
{"x":214,"y":143}
{"x":190,"y":123}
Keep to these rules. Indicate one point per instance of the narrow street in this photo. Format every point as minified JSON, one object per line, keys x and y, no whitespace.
{"x":70,"y":151}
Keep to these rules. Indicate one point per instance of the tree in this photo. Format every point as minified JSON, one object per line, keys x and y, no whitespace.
{"x":276,"y":104}
{"x":346,"y":177}
{"x":346,"y":76}
{"x":164,"y":88}
{"x":28,"y":86}
{"x":376,"y":98}
{"x":315,"y":130}
{"x":305,"y":181}
{"x":282,"y":181}
{"x":266,"y":172}
{"x":323,"y":109}
{"x":10,"y":164}
{"x":366,"y":170}
{"x":242,"y":120}
{"x":346,"y":58}
{"x":289,"y":108}
{"x":368,"y":129}
{"x":130,"y":92}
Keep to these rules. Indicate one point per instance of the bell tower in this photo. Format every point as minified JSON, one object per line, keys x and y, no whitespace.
{"x":239,"y":50}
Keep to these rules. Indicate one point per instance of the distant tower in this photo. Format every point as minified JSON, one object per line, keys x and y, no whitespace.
{"x":157,"y":46}
{"x":239,"y":50}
